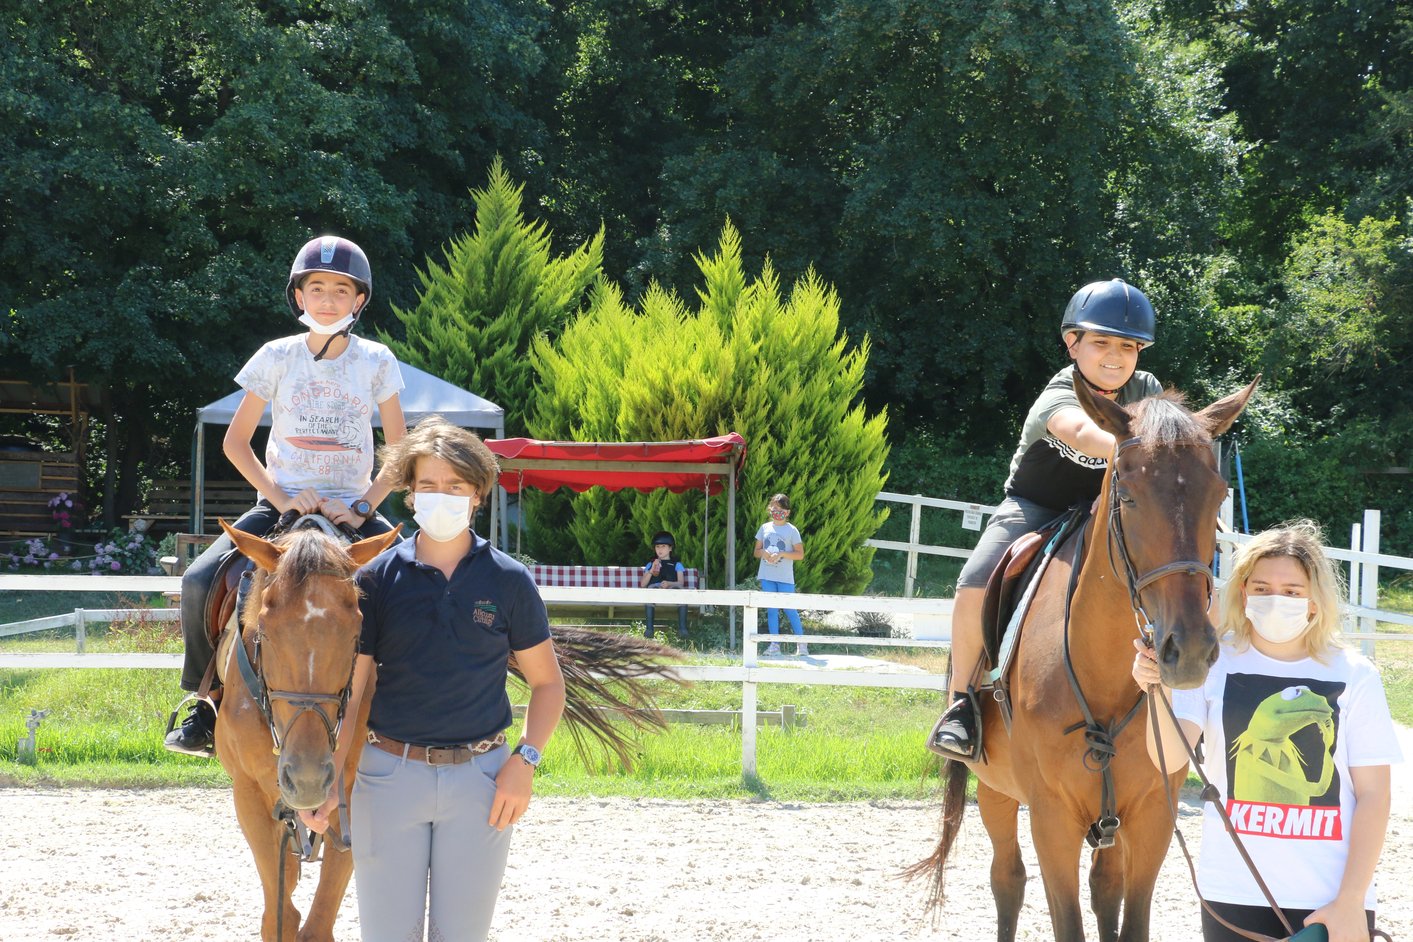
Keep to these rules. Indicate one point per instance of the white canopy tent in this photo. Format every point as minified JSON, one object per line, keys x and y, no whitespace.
{"x":423,"y":394}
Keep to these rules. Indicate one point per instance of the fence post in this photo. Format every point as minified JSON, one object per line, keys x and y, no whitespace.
{"x":1223,"y":560}
{"x":80,"y":631}
{"x":1369,"y":583}
{"x":1356,"y":543}
{"x":748,"y":691}
{"x":914,"y":535}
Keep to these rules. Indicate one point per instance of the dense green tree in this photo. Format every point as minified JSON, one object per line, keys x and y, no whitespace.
{"x":747,"y":358}
{"x":959,"y":169}
{"x":1309,"y":84}
{"x":496,"y":290}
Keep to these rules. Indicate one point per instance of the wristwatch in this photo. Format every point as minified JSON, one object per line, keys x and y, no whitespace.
{"x":362,"y":508}
{"x":529,"y":753}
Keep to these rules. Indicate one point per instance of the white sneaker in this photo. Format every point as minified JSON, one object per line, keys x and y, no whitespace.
{"x":773,"y":649}
{"x":802,"y":650}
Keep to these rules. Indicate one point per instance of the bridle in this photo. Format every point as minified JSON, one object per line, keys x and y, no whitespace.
{"x":252,"y":671}
{"x":1132,"y":580}
{"x":1100,"y":738}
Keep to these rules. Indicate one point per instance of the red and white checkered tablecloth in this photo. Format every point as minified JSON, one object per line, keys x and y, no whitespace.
{"x":599,"y":577}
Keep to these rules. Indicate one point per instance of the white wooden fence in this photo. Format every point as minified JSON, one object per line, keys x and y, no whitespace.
{"x":1361,"y":612}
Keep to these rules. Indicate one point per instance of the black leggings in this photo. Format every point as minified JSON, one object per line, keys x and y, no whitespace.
{"x":1254,"y":919}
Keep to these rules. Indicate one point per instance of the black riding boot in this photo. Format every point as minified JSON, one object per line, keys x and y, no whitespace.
{"x":955,"y":735}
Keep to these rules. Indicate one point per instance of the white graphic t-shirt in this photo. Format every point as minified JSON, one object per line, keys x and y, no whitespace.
{"x":322,"y":432}
{"x":777,"y":538}
{"x":1280,"y":739}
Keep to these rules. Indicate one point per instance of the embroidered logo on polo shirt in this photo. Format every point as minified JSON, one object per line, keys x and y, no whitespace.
{"x":485,"y":612}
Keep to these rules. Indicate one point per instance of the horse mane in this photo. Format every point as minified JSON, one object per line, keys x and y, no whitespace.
{"x":308,"y":553}
{"x":1164,"y":420}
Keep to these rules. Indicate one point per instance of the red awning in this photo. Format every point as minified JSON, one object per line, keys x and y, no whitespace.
{"x":645,"y":466}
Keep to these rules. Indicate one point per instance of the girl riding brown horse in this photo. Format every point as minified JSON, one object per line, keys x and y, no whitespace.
{"x":1070,"y":752}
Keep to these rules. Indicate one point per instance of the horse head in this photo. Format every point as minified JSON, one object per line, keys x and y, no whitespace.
{"x":303,"y":608}
{"x":1162,"y":494}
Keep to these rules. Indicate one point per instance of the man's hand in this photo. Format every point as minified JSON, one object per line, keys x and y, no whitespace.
{"x":514,"y":783}
{"x":318,"y":819}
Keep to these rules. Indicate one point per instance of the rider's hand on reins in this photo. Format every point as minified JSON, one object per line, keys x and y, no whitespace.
{"x":306,"y":502}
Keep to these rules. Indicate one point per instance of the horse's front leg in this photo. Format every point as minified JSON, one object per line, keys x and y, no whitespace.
{"x":1000,"y":813}
{"x":263,"y":833}
{"x":1149,"y":827}
{"x":1057,"y":838}
{"x":334,"y":872}
{"x":1106,"y":883}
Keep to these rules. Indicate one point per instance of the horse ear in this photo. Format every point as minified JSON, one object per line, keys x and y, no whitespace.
{"x":364,"y":550}
{"x":1219,"y":416}
{"x":261,"y":552}
{"x":1110,"y":416}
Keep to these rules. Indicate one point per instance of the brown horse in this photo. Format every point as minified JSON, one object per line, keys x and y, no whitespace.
{"x":1071,"y":755}
{"x":301,"y":634}
{"x":302,"y":624}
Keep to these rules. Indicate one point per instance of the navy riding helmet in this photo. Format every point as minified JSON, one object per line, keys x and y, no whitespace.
{"x":1111,"y":307}
{"x":331,"y":254}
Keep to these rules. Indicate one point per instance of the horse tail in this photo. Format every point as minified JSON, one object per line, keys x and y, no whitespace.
{"x":606,"y":678}
{"x":954,"y":804}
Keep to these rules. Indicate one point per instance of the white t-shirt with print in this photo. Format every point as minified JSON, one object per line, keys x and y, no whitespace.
{"x":777,"y":538}
{"x":1280,"y":739}
{"x":322,"y":412}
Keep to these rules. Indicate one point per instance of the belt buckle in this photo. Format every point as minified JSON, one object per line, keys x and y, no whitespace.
{"x":441,"y":755}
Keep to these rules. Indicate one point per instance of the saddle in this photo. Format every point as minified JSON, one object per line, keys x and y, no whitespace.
{"x":1009,"y":592}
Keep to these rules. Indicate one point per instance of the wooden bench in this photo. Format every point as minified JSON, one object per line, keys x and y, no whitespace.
{"x":604,"y":577}
{"x":169,"y":505}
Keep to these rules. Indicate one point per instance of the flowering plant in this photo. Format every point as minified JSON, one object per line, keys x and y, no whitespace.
{"x":124,"y":551}
{"x":31,"y":552}
{"x":65,"y":508}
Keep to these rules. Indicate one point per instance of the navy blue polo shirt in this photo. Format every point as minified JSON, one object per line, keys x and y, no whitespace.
{"x":442,"y":645}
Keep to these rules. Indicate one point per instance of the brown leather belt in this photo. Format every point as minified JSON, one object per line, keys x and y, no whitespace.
{"x":436,"y":755}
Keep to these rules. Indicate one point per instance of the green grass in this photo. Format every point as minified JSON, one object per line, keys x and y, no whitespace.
{"x":105,"y":728}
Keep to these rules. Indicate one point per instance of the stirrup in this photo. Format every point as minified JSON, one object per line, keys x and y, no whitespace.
{"x":172,"y":724}
{"x":963,"y":701}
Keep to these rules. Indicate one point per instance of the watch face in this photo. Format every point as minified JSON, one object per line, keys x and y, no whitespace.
{"x":362,"y":508}
{"x":529,"y":753}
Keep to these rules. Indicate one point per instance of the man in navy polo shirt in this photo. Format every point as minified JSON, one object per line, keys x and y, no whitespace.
{"x":437,"y":789}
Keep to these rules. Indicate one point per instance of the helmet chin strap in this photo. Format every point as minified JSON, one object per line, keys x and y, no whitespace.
{"x":345,"y":332}
{"x":1100,"y":390}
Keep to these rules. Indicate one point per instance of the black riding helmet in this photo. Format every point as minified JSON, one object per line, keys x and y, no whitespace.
{"x":1111,"y":307}
{"x":331,"y":254}
{"x":337,"y":256}
{"x":662,"y":536}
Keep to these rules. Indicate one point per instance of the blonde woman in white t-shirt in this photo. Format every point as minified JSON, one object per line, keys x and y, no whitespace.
{"x":322,"y":388}
{"x":1298,"y":740}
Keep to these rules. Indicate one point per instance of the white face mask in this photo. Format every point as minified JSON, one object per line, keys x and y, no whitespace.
{"x":443,"y":517}
{"x":1278,"y":618}
{"x":308,"y":320}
